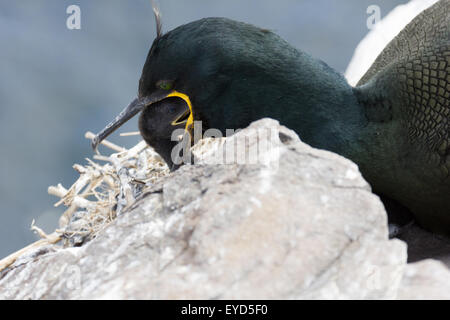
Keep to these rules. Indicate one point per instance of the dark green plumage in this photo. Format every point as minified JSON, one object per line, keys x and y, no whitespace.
{"x":394,"y":125}
{"x":236,"y":73}
{"x":406,"y":95}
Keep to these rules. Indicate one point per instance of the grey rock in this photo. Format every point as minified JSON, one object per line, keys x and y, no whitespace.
{"x":298,"y":223}
{"x":427,"y":279}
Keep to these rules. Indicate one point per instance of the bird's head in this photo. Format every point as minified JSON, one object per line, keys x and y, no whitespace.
{"x":176,"y":66}
{"x":162,"y":127}
{"x":190,"y":62}
{"x":227,"y":73}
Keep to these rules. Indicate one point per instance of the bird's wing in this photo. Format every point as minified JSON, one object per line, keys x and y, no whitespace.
{"x":381,"y":34}
{"x":412,"y":74}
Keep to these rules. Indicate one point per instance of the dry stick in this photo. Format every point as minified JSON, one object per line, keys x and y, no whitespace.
{"x":79,"y":168}
{"x":125,"y":186}
{"x":95,"y":165}
{"x":58,"y":191}
{"x":78,"y":200}
{"x":110,"y":181}
{"x":38,"y":230}
{"x":102,"y":158}
{"x":128,"y":134}
{"x":133,"y":152}
{"x":50,"y":239}
{"x":65,"y":217}
{"x":89,"y":135}
{"x":79,"y":185}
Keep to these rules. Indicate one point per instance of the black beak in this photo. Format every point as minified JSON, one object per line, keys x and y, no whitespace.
{"x":129,"y":112}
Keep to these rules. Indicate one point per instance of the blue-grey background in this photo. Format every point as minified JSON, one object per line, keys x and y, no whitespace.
{"x":55,"y":83}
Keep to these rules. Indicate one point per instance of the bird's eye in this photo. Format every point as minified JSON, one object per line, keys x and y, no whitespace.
{"x":164,"y":84}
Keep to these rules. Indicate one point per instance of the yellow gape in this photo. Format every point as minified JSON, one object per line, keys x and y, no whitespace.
{"x":185,"y":97}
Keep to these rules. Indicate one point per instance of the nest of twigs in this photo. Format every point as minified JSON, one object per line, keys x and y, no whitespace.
{"x":105,"y":188}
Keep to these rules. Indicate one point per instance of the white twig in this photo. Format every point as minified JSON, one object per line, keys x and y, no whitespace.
{"x":50,"y":239}
{"x":109,"y":185}
{"x":89,"y":135}
{"x":128,"y":134}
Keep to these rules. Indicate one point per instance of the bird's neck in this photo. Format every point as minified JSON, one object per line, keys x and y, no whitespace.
{"x":331,"y":116}
{"x":302,"y":92}
{"x":337,"y":117}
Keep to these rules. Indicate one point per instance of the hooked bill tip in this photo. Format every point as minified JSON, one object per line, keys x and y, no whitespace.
{"x":131,"y":110}
{"x":94,"y":144}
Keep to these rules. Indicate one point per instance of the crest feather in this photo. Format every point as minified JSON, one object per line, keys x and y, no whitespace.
{"x":157,"y":19}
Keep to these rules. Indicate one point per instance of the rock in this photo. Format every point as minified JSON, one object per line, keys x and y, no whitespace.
{"x":427,"y":279}
{"x":296,"y":223}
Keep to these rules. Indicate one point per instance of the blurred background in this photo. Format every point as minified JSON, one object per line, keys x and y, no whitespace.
{"x":56,"y":83}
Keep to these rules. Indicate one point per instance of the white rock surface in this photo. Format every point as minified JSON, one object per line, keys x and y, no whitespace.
{"x":303,"y":224}
{"x":427,"y":279}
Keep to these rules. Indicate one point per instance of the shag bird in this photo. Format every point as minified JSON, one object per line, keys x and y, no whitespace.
{"x":395,"y":124}
{"x":163,"y":127}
